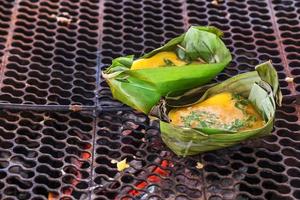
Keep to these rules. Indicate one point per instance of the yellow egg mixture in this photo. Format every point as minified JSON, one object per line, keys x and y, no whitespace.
{"x":158,"y":60}
{"x":222,"y":111}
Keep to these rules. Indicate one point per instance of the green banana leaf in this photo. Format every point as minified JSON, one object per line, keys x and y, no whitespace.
{"x":260,"y":87}
{"x":143,"y":88}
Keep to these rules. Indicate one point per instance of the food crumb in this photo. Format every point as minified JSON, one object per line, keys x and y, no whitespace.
{"x":64,"y":18}
{"x":216,"y":2}
{"x":289,"y":79}
{"x":122,"y":165}
{"x":199,"y":165}
{"x":113,"y":161}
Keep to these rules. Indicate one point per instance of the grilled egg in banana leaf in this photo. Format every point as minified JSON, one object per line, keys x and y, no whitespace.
{"x":214,"y":117}
{"x":185,"y":62}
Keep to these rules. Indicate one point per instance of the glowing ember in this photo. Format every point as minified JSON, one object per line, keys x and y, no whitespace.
{"x":67,"y":191}
{"x":151,"y":179}
{"x":87,"y":146}
{"x":85,"y":155}
{"x":52,"y":196}
{"x":73,"y":181}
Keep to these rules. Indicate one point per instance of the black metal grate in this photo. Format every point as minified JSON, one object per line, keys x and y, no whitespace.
{"x":135,"y":27}
{"x":51,"y":53}
{"x":45,"y":152}
{"x":6,"y":11}
{"x":286,"y":15}
{"x":262,"y":173}
{"x":132,"y":136}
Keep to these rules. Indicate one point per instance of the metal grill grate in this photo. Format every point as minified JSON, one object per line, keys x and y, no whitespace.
{"x":45,"y":152}
{"x":52,"y":52}
{"x":6,"y":12}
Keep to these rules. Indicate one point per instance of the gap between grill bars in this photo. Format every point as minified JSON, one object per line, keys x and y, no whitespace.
{"x":294,"y":99}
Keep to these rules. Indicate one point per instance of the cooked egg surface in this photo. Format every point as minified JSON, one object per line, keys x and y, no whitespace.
{"x":222,"y":111}
{"x":158,"y":60}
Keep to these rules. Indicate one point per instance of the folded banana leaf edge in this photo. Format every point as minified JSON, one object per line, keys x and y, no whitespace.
{"x":143,"y":88}
{"x":261,"y":87}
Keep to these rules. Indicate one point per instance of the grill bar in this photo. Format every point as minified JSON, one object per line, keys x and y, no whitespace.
{"x":294,"y":99}
{"x":9,"y":36}
{"x":186,"y":24}
{"x":53,"y":108}
{"x":279,"y":40}
{"x":284,"y":54}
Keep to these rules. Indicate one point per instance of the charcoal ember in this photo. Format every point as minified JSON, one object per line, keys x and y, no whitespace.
{"x":226,"y":182}
{"x":126,"y":132}
{"x":130,"y":125}
{"x":165,"y":154}
{"x":214,"y":189}
{"x":228,"y":194}
{"x":40,"y":158}
{"x":151,"y":189}
{"x":181,"y":179}
{"x":168,"y":194}
{"x":152,"y":132}
{"x":137,"y":164}
{"x":155,"y":144}
{"x":181,"y":197}
{"x":154,"y":123}
{"x":238,"y":175}
{"x":215,"y":198}
{"x":135,"y":116}
{"x":166,"y":183}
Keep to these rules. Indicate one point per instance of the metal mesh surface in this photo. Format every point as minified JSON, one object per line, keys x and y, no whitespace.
{"x":45,"y":152}
{"x":52,"y":51}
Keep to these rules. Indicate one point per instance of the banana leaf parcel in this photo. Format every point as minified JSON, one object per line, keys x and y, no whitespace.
{"x":200,"y":49}
{"x":260,"y":88}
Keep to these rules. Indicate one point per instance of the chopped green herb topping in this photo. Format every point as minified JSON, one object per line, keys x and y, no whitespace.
{"x":201,"y":118}
{"x":168,"y":62}
{"x":236,"y":125}
{"x":240,"y":103}
{"x":204,"y":119}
